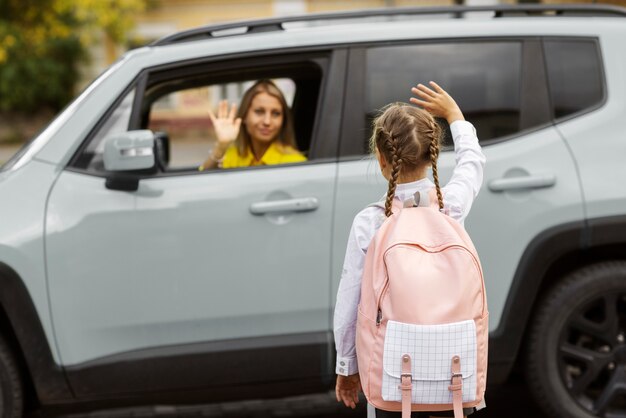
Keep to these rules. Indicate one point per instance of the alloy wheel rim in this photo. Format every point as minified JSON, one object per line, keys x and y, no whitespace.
{"x":592,"y":355}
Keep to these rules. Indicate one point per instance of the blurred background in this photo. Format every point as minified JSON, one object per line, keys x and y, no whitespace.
{"x":51,"y":49}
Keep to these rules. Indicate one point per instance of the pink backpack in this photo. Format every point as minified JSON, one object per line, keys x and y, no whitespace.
{"x":422,"y":327}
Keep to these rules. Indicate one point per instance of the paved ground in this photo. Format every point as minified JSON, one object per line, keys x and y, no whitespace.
{"x":510,"y":401}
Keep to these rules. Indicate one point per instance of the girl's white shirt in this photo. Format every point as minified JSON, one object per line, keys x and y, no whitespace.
{"x":458,"y":195}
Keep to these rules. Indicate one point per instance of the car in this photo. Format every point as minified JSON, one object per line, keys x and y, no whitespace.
{"x":128,"y":276}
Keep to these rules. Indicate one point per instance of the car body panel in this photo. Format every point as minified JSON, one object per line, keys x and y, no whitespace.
{"x":183,"y":260}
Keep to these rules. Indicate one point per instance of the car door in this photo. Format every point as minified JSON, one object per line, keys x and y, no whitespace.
{"x":198,"y":279}
{"x":530,"y":179}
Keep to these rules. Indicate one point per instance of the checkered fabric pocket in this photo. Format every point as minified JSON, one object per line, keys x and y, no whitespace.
{"x":431,"y":348}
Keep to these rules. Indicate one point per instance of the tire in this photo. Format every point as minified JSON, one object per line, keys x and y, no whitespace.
{"x":576,"y":353}
{"x":11,"y":389}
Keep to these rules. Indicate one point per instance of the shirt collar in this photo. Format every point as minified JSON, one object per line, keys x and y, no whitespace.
{"x":272,"y":155}
{"x":406,"y":190}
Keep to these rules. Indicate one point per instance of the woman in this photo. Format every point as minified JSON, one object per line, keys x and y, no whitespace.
{"x":266,"y":138}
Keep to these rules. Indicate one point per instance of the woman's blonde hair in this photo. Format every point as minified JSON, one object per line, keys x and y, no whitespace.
{"x":286,"y":136}
{"x":409,"y":140}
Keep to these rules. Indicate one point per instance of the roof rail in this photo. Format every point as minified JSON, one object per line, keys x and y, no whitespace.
{"x":276,"y":24}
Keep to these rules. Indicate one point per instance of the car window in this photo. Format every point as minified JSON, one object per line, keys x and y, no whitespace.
{"x":574,"y":74}
{"x":182,"y":117}
{"x":483,"y":77}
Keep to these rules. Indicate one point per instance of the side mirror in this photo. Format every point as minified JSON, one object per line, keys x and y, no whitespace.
{"x":129,"y":151}
{"x":127,"y":155}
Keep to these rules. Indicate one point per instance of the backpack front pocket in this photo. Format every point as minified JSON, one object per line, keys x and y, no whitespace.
{"x":431,"y":348}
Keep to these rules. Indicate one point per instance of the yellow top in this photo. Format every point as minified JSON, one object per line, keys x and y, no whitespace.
{"x":275,"y":154}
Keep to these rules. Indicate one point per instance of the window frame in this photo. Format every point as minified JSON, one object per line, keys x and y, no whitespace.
{"x":326,"y":123}
{"x":533,"y":78}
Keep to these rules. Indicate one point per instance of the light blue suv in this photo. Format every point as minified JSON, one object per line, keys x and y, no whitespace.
{"x":127,"y":276}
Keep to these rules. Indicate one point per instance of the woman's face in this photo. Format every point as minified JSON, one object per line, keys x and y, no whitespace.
{"x":264,"y":118}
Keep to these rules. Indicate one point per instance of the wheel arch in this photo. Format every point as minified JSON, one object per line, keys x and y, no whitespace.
{"x":549,"y":257}
{"x":8,"y":334}
{"x":21,"y":326}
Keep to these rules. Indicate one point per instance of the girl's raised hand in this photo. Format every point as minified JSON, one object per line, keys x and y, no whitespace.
{"x":225,"y":125}
{"x":437,"y":102}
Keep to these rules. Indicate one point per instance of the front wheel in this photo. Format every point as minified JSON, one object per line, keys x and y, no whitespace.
{"x":576,"y":355}
{"x":10,"y":383}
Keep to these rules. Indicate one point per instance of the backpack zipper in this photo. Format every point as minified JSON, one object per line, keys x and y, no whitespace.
{"x":379,"y":314}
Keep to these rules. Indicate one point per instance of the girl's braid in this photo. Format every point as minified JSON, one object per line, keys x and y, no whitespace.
{"x":434,"y":154}
{"x":396,"y":164}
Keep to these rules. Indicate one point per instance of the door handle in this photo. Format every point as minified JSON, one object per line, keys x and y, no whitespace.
{"x":520,"y":183}
{"x":304,"y":204}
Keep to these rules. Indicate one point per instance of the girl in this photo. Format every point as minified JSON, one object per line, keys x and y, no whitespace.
{"x":267,"y":137}
{"x":406,"y":141}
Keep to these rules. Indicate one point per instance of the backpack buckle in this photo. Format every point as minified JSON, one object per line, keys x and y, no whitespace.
{"x":405,"y":381}
{"x":455,"y":375}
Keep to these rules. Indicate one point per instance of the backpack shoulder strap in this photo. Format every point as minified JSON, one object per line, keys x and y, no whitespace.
{"x":434,"y":201}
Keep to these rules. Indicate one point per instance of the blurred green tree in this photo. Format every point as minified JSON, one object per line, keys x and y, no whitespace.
{"x":43,"y":42}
